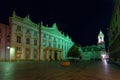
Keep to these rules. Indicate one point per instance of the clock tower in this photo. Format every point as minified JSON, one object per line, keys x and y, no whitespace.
{"x":101,"y":42}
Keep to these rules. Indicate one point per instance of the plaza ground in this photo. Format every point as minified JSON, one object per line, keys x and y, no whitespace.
{"x":52,"y":70}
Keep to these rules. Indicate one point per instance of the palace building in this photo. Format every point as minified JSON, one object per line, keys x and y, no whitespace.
{"x":31,"y":41}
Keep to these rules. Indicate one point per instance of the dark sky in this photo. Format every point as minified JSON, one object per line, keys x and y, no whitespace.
{"x":80,"y":19}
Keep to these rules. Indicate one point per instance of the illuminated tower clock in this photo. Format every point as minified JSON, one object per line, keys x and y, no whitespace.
{"x":101,"y":42}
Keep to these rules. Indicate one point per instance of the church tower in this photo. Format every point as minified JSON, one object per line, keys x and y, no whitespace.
{"x":101,"y":42}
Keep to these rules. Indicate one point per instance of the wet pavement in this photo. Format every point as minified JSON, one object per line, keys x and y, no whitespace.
{"x":83,"y":70}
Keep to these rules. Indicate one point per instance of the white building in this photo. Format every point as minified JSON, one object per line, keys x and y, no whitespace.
{"x":31,"y":41}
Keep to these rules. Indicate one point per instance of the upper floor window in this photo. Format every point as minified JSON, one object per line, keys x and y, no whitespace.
{"x":50,"y":44}
{"x":35,"y":42}
{"x":19,"y":28}
{"x":28,"y":31}
{"x":44,"y":36}
{"x":35,"y":33}
{"x":27,"y":40}
{"x":44,"y":42}
{"x":54,"y":44}
{"x":18,"y":39}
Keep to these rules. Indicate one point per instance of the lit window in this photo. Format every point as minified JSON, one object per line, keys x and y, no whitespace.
{"x":18,"y":39}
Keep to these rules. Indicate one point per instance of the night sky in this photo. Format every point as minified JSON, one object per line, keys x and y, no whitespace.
{"x":80,"y":19}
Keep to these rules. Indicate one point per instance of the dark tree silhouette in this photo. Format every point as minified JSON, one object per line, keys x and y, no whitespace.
{"x":74,"y":51}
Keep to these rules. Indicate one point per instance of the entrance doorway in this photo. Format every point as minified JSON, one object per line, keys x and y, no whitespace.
{"x":55,"y":54}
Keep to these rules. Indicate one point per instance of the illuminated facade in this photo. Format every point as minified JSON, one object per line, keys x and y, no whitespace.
{"x":114,"y":34}
{"x":31,"y":41}
{"x":94,"y":51}
{"x":55,"y":45}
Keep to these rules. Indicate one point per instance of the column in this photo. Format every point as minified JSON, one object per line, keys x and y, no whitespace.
{"x":53,"y":57}
{"x":41,"y":48}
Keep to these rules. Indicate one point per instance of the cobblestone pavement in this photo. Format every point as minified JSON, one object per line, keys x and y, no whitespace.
{"x":83,"y":70}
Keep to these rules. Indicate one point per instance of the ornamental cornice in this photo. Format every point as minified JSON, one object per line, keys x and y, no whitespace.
{"x":30,"y":23}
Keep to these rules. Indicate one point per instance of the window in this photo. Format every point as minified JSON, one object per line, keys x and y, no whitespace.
{"x":28,"y":31}
{"x":58,"y":45}
{"x":44,"y":36}
{"x":27,"y":41}
{"x":35,"y":42}
{"x":44,"y":44}
{"x":54,"y":44}
{"x":35,"y":33}
{"x":19,"y":28}
{"x":18,"y":39}
{"x":50,"y":44}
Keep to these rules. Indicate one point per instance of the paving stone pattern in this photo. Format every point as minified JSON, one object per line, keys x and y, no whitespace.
{"x":83,"y":70}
